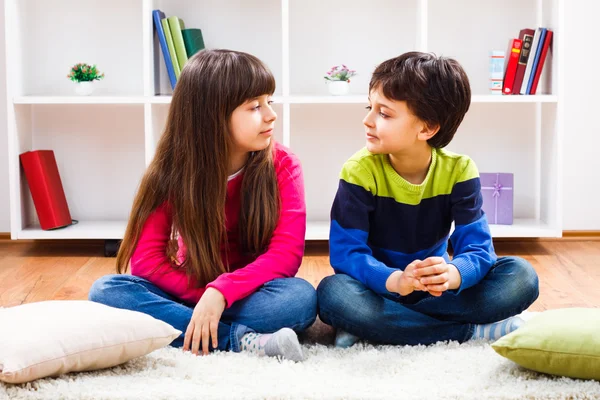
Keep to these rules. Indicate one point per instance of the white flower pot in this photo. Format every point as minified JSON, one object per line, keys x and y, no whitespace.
{"x":84,"y":88}
{"x":339,"y":88}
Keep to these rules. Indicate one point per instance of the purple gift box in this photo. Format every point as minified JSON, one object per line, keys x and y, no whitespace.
{"x":498,"y":197}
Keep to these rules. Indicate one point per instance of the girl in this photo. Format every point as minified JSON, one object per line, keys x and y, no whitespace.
{"x":216,"y":233}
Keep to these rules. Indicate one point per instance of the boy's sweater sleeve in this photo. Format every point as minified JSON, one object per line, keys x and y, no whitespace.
{"x":284,"y":253}
{"x":474,"y":253}
{"x":349,"y":252}
{"x":150,"y":261}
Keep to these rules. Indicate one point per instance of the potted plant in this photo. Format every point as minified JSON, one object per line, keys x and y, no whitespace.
{"x":338,"y":80}
{"x":84,"y":76}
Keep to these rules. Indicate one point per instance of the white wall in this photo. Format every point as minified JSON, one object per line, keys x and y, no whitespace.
{"x":581,"y":138}
{"x":4,"y":202}
{"x":582,"y":104}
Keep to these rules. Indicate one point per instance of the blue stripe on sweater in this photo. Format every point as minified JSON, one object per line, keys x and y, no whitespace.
{"x":468,"y":194}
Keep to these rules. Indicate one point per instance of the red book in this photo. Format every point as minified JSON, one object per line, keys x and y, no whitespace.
{"x":46,"y":188}
{"x":510,"y":65}
{"x":538,"y":71}
{"x":526,"y":35}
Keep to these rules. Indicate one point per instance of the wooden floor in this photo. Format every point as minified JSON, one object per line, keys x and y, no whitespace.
{"x":569,"y":270}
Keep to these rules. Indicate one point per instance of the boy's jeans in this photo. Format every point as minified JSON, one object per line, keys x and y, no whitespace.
{"x":419,"y":318}
{"x":286,"y":302}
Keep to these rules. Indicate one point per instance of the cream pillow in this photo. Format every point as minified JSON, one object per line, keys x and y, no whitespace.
{"x":50,"y":338}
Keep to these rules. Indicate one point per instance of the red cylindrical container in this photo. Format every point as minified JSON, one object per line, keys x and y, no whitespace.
{"x":46,"y":188}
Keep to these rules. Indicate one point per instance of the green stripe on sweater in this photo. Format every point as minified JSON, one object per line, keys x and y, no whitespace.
{"x":446,"y":169}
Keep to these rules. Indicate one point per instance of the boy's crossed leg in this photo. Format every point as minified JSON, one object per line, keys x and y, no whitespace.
{"x":484,"y":311}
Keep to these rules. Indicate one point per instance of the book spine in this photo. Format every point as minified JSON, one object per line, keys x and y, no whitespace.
{"x":176,"y":25}
{"x":514,"y":50}
{"x":530,"y":59}
{"x":538,"y":72}
{"x":536,"y":61}
{"x":193,"y":40}
{"x":171,"y":46}
{"x":157,"y":15}
{"x":526,"y":35}
{"x":496,"y":71}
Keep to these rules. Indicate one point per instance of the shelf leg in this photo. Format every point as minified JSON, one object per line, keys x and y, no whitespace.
{"x":111,"y":247}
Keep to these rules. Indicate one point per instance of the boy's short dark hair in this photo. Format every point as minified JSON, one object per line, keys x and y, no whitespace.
{"x":436,"y":89}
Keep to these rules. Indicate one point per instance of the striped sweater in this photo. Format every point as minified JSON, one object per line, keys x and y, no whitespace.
{"x":380,"y":222}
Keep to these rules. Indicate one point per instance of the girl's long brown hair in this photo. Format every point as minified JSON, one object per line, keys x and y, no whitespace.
{"x":190,"y":166}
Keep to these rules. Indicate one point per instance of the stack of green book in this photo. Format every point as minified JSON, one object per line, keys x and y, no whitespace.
{"x":182,"y":43}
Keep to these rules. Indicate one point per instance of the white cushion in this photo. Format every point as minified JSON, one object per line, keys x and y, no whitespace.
{"x":50,"y":338}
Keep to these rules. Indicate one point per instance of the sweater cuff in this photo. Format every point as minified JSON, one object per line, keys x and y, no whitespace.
{"x":222,"y":287}
{"x":377,"y":277}
{"x":467,"y":271}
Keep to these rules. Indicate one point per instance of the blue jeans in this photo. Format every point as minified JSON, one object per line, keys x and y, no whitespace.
{"x":281,"y":303}
{"x":419,"y":318}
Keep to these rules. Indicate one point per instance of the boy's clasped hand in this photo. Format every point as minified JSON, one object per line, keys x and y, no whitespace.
{"x":432,"y":275}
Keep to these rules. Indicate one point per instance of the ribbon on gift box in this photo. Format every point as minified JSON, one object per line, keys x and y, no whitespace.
{"x":497,"y":188}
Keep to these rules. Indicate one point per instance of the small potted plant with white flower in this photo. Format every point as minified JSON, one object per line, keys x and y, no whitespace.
{"x":84,"y":76}
{"x":338,"y":79}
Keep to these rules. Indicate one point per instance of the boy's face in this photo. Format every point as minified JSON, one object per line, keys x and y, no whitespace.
{"x":390,"y":126}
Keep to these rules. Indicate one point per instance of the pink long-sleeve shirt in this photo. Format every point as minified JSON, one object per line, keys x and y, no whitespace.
{"x":282,"y":258}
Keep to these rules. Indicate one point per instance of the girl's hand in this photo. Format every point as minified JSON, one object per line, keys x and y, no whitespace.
{"x":205,"y":322}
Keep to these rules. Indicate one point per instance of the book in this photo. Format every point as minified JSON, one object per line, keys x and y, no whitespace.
{"x":530,"y":59}
{"x":176,"y":25}
{"x":538,"y":53}
{"x":510,"y":65}
{"x":165,"y":24}
{"x":497,"y":58}
{"x":526,"y":35}
{"x":193,"y":40}
{"x":157,"y":16}
{"x":538,"y":71}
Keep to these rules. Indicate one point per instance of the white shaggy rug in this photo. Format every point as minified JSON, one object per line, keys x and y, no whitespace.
{"x":442,"y":371}
{"x":471,"y":370}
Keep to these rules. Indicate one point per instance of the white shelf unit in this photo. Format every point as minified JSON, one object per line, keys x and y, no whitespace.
{"x":103,"y":142}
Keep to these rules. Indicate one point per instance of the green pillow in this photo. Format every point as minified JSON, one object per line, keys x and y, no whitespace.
{"x":562,"y":342}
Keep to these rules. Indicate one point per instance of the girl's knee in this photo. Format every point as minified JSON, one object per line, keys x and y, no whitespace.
{"x":304,"y":296}
{"x":99,"y":291}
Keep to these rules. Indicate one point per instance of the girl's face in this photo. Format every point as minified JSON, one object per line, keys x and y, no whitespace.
{"x":252,"y":124}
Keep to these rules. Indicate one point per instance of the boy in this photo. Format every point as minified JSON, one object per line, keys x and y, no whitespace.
{"x":392,"y":215}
